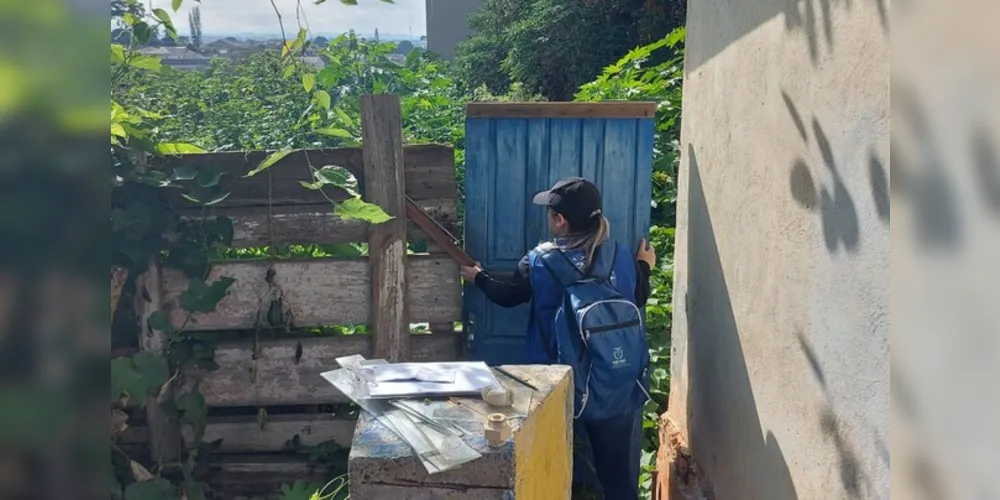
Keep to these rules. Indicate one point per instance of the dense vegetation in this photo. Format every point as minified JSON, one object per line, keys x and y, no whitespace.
{"x":271,"y":101}
{"x":554,"y":46}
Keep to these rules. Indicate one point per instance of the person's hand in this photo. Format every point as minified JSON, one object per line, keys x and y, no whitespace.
{"x":470,"y":272}
{"x":646,"y":253}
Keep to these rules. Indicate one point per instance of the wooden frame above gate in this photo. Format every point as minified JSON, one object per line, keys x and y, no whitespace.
{"x":606,"y":109}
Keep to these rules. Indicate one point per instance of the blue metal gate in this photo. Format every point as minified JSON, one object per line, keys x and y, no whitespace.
{"x":516,"y":150}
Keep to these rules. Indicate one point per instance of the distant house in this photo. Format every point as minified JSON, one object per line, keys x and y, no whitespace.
{"x":314,"y":61}
{"x":227,"y":45}
{"x":177,"y":57}
{"x":397,"y":58}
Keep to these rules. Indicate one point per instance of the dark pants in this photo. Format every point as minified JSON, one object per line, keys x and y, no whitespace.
{"x":610,"y":450}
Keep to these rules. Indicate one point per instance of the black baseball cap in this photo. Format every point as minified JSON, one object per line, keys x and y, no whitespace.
{"x":576,"y":199}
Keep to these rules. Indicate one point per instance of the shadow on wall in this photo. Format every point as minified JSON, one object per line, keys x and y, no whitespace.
{"x":813,"y":19}
{"x":724,"y":429}
{"x":856,"y":483}
{"x":923,"y":180}
{"x":838,"y":213}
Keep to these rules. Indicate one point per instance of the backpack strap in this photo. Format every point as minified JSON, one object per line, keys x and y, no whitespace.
{"x":604,"y":260}
{"x":561,"y":268}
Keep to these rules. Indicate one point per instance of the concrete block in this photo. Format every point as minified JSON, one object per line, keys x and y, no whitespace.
{"x":536,"y":463}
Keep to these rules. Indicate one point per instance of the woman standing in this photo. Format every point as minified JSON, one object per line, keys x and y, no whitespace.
{"x":608,"y":409}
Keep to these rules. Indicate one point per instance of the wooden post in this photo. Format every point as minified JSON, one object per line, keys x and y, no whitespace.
{"x":382,"y":136}
{"x":164,"y":436}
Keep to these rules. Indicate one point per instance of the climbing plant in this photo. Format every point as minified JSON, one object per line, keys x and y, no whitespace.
{"x":147,"y":229}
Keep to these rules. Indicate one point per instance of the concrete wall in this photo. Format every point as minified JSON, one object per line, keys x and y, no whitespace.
{"x":448,"y":24}
{"x":781,"y":330}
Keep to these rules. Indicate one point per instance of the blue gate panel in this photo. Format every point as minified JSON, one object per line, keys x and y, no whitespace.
{"x":510,"y":159}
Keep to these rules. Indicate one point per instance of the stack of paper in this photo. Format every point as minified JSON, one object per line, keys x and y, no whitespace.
{"x":372,"y":383}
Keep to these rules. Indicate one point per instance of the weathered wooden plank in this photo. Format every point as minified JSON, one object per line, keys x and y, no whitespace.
{"x":446,"y":327}
{"x":382,"y":135}
{"x":311,"y":224}
{"x":318,"y":292}
{"x":164,"y":435}
{"x":607,"y":109}
{"x":246,"y":435}
{"x":430,"y":169}
{"x":287,"y":371}
{"x":260,"y":476}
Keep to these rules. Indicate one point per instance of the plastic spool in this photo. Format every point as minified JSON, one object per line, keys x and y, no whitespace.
{"x":496,"y":429}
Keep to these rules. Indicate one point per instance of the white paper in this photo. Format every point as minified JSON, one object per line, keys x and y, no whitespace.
{"x":468,"y":378}
{"x":420,"y":372}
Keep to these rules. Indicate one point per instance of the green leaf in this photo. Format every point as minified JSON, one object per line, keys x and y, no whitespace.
{"x":149,"y":63}
{"x":142,"y":32}
{"x":318,"y":2}
{"x":125,"y":380}
{"x":323,"y":99}
{"x":300,"y":39}
{"x":349,"y":2}
{"x":160,"y":320}
{"x":218,"y":199}
{"x":335,"y":132}
{"x":185,"y":173}
{"x":339,"y":177}
{"x":177,"y":4}
{"x":192,"y":407}
{"x":163,"y":17}
{"x":190,"y":198}
{"x":153,"y":369}
{"x":288,"y":71}
{"x":117,"y":53}
{"x":268,"y":162}
{"x":177,"y":148}
{"x":355,"y":208}
{"x":300,"y":490}
{"x":342,"y":250}
{"x":209,"y":177}
{"x":412,"y":56}
{"x":308,"y":81}
{"x":328,"y":77}
{"x":154,"y":489}
{"x":129,"y":19}
{"x":313,"y":185}
{"x":343,"y":116}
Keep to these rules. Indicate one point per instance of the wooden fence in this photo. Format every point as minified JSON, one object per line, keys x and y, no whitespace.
{"x":388,"y":290}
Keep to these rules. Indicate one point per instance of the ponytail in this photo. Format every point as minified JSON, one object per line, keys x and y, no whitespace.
{"x":589,"y":240}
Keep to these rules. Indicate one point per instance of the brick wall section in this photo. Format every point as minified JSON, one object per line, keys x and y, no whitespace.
{"x":678,"y":478}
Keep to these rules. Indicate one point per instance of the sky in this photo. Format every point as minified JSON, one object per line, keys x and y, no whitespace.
{"x":223,"y":17}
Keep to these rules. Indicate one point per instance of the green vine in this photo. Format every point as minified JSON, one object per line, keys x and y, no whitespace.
{"x":146,"y":228}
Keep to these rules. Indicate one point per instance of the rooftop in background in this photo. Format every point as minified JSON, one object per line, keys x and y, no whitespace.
{"x":173,"y":53}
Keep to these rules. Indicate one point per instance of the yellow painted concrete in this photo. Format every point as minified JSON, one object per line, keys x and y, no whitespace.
{"x":543,"y":448}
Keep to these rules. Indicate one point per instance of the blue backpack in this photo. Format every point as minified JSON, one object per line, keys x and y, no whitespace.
{"x":601,"y":335}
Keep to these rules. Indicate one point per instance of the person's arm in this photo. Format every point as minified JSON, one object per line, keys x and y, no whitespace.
{"x":645,"y":259}
{"x":642,"y":274}
{"x":505,"y":293}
